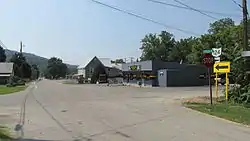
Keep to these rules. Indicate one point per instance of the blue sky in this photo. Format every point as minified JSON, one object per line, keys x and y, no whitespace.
{"x":76,"y":30}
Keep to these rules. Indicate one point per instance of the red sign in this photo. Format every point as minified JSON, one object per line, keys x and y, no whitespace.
{"x":208,"y":60}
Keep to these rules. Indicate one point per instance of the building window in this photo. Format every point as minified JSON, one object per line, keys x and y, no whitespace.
{"x":91,"y":70}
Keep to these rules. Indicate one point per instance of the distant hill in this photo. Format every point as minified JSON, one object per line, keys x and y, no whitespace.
{"x":34,"y":59}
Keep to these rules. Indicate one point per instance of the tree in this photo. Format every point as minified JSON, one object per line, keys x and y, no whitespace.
{"x":117,"y":61}
{"x":2,"y":54}
{"x":182,"y":49}
{"x":56,"y":68}
{"x":220,"y":25}
{"x":35,"y":72}
{"x":157,"y":47}
{"x":21,"y":67}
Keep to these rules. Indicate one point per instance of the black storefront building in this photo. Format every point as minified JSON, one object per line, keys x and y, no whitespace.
{"x":163,"y":74}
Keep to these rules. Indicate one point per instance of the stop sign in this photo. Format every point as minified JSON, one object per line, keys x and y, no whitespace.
{"x":208,"y":60}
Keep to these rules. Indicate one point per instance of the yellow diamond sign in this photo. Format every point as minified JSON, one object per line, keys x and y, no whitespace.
{"x":222,"y":67}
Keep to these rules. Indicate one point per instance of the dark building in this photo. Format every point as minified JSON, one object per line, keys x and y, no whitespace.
{"x":158,"y":73}
{"x":99,"y":69}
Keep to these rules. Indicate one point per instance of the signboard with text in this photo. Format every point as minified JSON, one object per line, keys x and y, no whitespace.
{"x":208,"y":60}
{"x":135,"y":67}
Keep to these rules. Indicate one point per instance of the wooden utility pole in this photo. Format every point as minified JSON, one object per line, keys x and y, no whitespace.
{"x":245,"y":36}
{"x":21,"y":47}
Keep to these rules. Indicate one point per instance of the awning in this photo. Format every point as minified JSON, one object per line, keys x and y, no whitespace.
{"x":5,"y":75}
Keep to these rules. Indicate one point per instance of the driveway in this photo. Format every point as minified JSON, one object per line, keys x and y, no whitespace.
{"x":56,"y":111}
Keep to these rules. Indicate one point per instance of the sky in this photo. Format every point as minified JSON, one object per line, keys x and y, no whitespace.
{"x":76,"y":30}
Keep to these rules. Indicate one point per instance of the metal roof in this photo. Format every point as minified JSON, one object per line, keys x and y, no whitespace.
{"x":105,"y":61}
{"x":6,"y":68}
{"x":86,"y":62}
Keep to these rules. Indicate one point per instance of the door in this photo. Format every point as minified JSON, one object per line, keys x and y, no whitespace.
{"x":162,"y":78}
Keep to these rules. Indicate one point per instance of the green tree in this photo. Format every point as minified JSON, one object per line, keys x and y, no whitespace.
{"x":21,"y":67}
{"x":182,"y":49}
{"x":2,"y":54}
{"x":35,"y":72}
{"x":221,"y":25}
{"x":118,"y":61}
{"x":56,"y":68}
{"x":157,"y":47}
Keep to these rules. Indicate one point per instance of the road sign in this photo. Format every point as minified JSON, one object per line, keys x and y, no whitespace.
{"x":216,"y":52}
{"x":207,"y":51}
{"x":222,"y":67}
{"x":208,"y":60}
{"x":216,"y":59}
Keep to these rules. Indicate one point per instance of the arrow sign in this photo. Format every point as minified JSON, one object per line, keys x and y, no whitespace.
{"x":218,"y":67}
{"x":222,"y":67}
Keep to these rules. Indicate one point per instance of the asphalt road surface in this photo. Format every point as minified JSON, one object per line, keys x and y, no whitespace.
{"x":60,"y":112}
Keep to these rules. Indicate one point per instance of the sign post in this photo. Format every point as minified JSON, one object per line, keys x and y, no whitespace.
{"x":216,"y":85}
{"x":216,"y":52}
{"x":223,"y":67}
{"x":208,"y":61}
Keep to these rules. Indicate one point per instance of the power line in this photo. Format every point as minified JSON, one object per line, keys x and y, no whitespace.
{"x":184,"y":7}
{"x":144,"y":18}
{"x":237,"y":4}
{"x":2,"y":45}
{"x":194,"y":9}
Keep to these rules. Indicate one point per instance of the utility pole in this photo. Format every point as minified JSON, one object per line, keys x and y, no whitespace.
{"x":125,"y":60}
{"x":245,"y":36}
{"x":21,"y":47}
{"x":131,"y":59}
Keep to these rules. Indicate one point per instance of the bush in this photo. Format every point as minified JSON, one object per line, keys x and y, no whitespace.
{"x":240,"y":94}
{"x":15,"y":81}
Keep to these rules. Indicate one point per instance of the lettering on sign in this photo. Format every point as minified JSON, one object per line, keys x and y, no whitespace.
{"x":208,"y":60}
{"x":135,"y":67}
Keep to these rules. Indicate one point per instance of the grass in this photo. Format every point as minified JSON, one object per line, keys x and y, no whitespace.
{"x":69,"y":82}
{"x":7,"y":90}
{"x":232,"y":112}
{"x":4,"y":134}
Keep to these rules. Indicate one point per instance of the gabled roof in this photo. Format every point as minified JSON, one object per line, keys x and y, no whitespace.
{"x":105,"y":61}
{"x":86,"y":62}
{"x":6,"y":68}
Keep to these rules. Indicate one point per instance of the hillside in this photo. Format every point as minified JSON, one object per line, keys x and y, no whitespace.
{"x":34,"y":59}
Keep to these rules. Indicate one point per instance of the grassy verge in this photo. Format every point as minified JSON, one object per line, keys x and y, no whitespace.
{"x":232,"y":112}
{"x":69,"y":82}
{"x":8,"y":90}
{"x":4,"y":134}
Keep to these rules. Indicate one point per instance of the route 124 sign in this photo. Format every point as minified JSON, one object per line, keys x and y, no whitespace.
{"x":216,"y":52}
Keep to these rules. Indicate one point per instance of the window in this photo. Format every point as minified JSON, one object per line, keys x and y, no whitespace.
{"x":91,"y":70}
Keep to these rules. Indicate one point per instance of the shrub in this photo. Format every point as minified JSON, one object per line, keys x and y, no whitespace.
{"x":240,"y":94}
{"x":15,"y":81}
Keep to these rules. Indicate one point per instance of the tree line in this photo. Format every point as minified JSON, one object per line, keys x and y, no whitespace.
{"x":23,"y":70}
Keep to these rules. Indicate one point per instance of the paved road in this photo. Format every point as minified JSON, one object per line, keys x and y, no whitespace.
{"x":62,"y":112}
